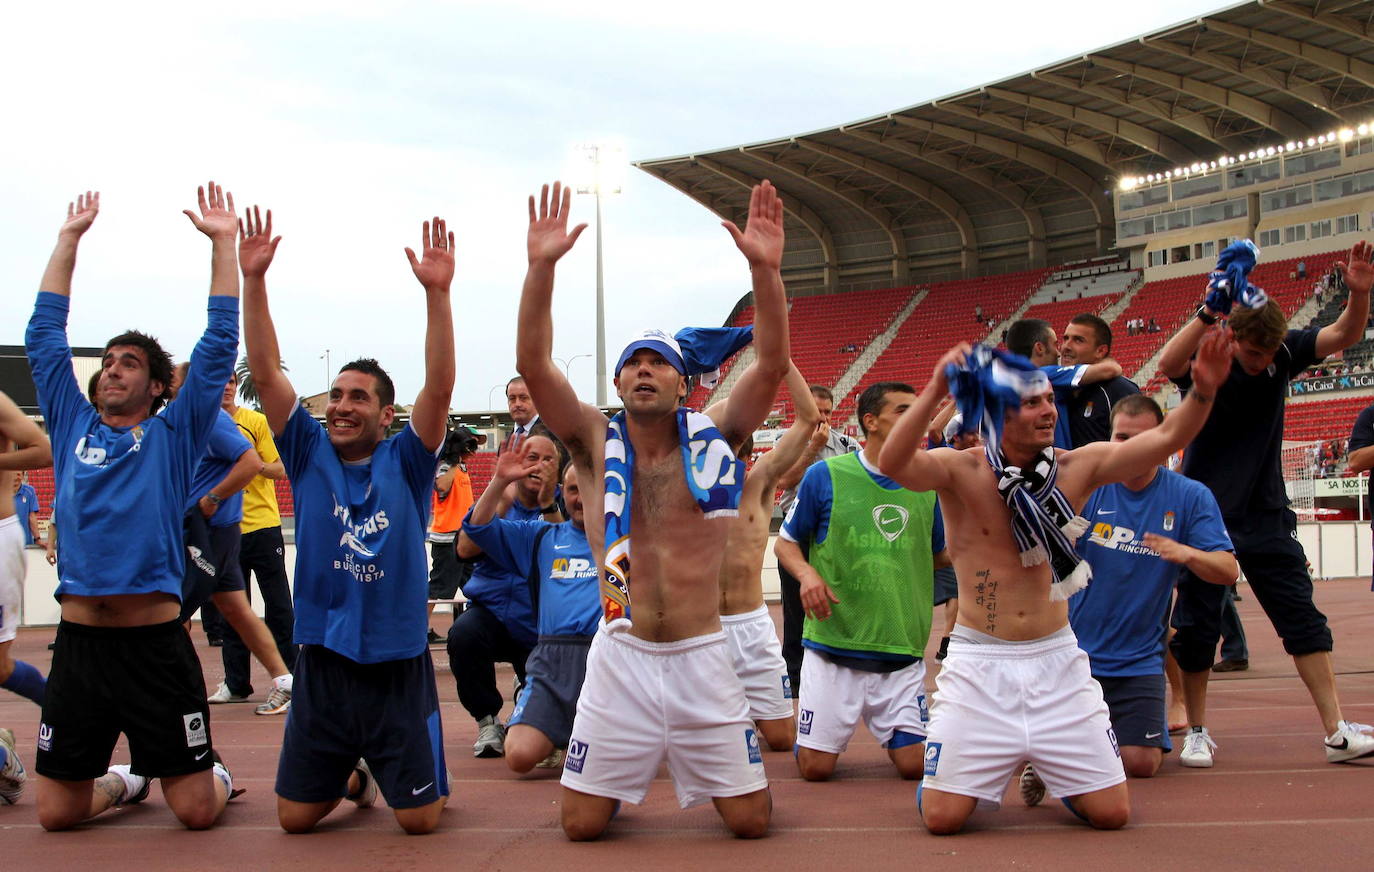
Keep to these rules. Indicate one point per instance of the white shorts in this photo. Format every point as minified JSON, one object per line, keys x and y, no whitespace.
{"x":757,"y":656}
{"x":643,"y":702}
{"x":13,"y":566}
{"x":835,"y":698}
{"x":1001,"y":703}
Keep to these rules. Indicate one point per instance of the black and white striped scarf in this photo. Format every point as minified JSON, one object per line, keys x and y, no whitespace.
{"x":1043,"y":522}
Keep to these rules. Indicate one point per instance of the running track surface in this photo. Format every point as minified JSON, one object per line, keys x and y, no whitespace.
{"x":1270,"y":802}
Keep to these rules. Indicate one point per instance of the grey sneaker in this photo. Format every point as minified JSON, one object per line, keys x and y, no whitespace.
{"x":1349,"y":742}
{"x":553,"y":761}
{"x":367,"y":787}
{"x":491,"y":738}
{"x":1199,"y":749}
{"x":278,"y":701}
{"x":1032,"y":788}
{"x":223,"y":694}
{"x":13,"y":776}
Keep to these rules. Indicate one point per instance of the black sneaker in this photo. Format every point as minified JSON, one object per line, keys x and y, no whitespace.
{"x":435,"y":639}
{"x":1231,"y":666}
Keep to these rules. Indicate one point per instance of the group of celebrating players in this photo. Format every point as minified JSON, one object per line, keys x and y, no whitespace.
{"x":665,"y":652}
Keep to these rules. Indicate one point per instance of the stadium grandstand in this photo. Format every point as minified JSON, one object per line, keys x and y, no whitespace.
{"x":1104,"y":183}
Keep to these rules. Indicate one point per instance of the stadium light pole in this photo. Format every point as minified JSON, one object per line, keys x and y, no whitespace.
{"x":601,"y":164}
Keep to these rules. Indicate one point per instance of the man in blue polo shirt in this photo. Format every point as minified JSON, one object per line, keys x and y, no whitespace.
{"x":364,"y":711}
{"x":555,"y":562}
{"x":1143,"y":530}
{"x":121,"y":661}
{"x":498,"y":625}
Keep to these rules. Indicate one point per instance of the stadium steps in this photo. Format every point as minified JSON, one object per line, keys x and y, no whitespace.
{"x":851,"y":377}
{"x":1111,"y":313}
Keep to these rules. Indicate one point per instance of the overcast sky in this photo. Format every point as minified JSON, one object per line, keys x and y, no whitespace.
{"x":356,"y":121}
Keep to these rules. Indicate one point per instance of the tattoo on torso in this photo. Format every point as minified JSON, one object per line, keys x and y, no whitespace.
{"x":987,"y":598}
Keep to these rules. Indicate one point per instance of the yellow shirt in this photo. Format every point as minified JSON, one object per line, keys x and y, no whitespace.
{"x":260,"y":496}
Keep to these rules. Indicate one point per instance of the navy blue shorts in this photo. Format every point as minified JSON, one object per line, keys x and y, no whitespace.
{"x":1136,"y":706}
{"x":553,"y":681}
{"x":946,"y":585}
{"x":212,"y":562}
{"x":386,"y":713}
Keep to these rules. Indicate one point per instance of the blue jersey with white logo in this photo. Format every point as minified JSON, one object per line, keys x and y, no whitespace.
{"x":569,"y":590}
{"x":26,"y":504}
{"x":1064,"y":380}
{"x":1120,"y":617}
{"x":362,"y":574}
{"x":122,"y":491}
{"x":224,"y":449}
{"x":502,"y":590}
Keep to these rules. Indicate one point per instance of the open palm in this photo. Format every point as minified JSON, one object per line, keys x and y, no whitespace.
{"x":762,"y":239}
{"x":548,"y":238}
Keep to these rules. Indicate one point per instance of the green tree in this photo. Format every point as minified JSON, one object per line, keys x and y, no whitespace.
{"x":248,"y":390}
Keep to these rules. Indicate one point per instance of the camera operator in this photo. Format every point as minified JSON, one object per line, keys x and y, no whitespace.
{"x":449,"y":502}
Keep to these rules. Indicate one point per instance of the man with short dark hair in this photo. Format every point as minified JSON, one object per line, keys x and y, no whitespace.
{"x":1237,"y":456}
{"x":825,"y":442}
{"x":449,"y":502}
{"x":364,"y":712}
{"x":1088,"y":340}
{"x":1034,"y":339}
{"x":122,"y":661}
{"x":865,"y":549}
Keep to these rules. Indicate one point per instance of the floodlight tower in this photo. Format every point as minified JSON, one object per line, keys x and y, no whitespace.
{"x":602,"y":165}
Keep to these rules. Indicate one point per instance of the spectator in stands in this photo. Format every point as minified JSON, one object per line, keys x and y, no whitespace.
{"x":1237,"y":455}
{"x":1034,"y":339}
{"x":825,"y":443}
{"x":1302,"y":269}
{"x":498,"y":625}
{"x":1153,"y":326}
{"x":978,"y":313}
{"x":1088,"y":340}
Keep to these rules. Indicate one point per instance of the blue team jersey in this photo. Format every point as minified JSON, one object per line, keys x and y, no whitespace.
{"x":121,"y":491}
{"x":809,"y":518}
{"x":1064,"y":380}
{"x":226,"y":446}
{"x":503,"y":591}
{"x":25,"y":505}
{"x":361,"y":569}
{"x":1120,"y":617}
{"x":569,"y":589}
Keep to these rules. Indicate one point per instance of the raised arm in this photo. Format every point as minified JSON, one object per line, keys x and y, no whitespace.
{"x":794,"y":442}
{"x":218,"y":221}
{"x":57,"y":278}
{"x":1349,"y":327}
{"x":257,"y":246}
{"x":576,"y":424}
{"x":761,"y":243}
{"x":903,"y":456}
{"x":1099,"y":463}
{"x":33,"y":451}
{"x":1176,"y":359}
{"x":434,"y":269}
{"x":511,"y":466}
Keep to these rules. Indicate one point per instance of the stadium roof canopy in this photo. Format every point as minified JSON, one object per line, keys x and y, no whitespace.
{"x":1020,"y":173}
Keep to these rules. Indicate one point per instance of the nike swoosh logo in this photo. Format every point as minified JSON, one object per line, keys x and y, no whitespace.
{"x":1345,"y":743}
{"x":1106,"y":511}
{"x":1152,"y":735}
{"x":561,"y":547}
{"x":201,"y":755}
{"x":419,"y":790}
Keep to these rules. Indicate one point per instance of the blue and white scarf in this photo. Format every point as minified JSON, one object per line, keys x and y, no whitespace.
{"x":1230,"y":281}
{"x":715,"y":476}
{"x":1044,"y":524}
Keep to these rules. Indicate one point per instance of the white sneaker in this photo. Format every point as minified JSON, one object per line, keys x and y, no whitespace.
{"x":223,"y":694}
{"x":1198,"y":749}
{"x":1032,"y":788}
{"x":491,"y":739}
{"x":366,"y":796}
{"x":13,"y":776}
{"x":1349,"y":742}
{"x":135,"y":786}
{"x":553,"y":761}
